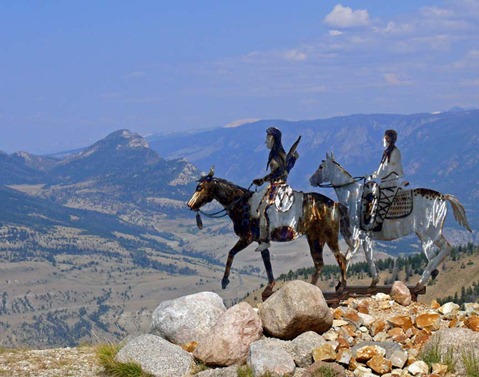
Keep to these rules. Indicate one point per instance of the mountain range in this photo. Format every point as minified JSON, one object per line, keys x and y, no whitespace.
{"x":91,"y":239}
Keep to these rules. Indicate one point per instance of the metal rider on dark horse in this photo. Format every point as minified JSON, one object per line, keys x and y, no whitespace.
{"x":280,"y":165}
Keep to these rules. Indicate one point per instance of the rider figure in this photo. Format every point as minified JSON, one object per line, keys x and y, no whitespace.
{"x":280,"y":164}
{"x":390,"y":172}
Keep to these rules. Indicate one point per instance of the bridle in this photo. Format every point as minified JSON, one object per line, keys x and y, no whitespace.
{"x":224,"y":212}
{"x":330,"y":185}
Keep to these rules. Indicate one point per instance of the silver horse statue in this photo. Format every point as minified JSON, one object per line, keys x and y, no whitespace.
{"x":427,"y":210}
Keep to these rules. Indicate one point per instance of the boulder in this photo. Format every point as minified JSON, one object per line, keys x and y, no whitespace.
{"x":418,"y":368}
{"x":231,"y":371}
{"x":187,"y":319}
{"x":472,"y":323}
{"x":457,"y":341}
{"x":428,"y":321}
{"x":157,"y":356}
{"x":267,"y":356}
{"x":400,"y":293}
{"x":229,"y":339}
{"x":303,"y":346}
{"x":294,"y":309}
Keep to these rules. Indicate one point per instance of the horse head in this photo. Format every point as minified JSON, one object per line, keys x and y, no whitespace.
{"x":204,"y":191}
{"x":324,"y":173}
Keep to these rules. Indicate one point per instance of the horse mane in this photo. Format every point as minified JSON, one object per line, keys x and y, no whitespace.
{"x":342,"y":169}
{"x":231,"y":184}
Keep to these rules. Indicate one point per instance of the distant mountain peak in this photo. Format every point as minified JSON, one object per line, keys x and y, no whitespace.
{"x":132,"y":139}
{"x":125,"y":139}
{"x":118,"y":140}
{"x":241,"y":122}
{"x":27,"y":157}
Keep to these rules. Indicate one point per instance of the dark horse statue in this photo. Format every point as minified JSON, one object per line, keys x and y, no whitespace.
{"x":312,"y":214}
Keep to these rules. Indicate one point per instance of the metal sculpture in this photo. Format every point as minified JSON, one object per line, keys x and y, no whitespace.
{"x":311,"y":214}
{"x":421,"y":211}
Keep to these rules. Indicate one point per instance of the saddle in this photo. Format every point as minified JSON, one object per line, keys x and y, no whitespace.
{"x":380,"y":203}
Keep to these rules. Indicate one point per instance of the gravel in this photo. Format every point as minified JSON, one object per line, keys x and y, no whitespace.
{"x":64,"y":362}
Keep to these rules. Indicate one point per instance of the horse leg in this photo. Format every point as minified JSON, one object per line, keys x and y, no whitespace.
{"x":431,"y":268}
{"x":240,"y":245}
{"x":342,"y":262}
{"x":316,"y":250}
{"x":267,"y":265}
{"x":268,"y":291}
{"x":368,"y":252}
{"x":353,"y":246}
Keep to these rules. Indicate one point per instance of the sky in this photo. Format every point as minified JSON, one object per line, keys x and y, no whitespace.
{"x":71,"y":72}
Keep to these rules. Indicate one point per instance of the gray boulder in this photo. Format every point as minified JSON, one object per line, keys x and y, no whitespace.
{"x":295,"y":308}
{"x":231,"y":371}
{"x":267,"y":356}
{"x":188,"y":318}
{"x":157,"y":356}
{"x":303,"y":346}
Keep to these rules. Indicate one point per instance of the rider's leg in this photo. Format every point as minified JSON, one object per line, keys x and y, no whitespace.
{"x":263,"y":243}
{"x":386,"y":197}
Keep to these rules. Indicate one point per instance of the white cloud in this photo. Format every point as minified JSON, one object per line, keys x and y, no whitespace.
{"x":435,"y":12}
{"x":335,"y":33}
{"x":295,"y":55}
{"x":344,"y":17}
{"x":394,"y":80}
{"x":469,"y":60}
{"x":397,"y":28}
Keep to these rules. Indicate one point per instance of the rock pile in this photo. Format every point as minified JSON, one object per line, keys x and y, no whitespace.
{"x":295,"y":333}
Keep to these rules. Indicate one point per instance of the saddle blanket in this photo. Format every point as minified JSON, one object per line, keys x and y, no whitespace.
{"x":402,"y":205}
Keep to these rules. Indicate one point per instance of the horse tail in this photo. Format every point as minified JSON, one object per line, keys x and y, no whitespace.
{"x":458,"y":211}
{"x":344,"y":222}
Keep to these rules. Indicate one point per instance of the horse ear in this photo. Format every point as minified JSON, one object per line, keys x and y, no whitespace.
{"x":212,"y":171}
{"x":332,"y":156}
{"x":327,"y":156}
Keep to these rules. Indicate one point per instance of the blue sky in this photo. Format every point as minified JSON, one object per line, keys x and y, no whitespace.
{"x":71,"y":72}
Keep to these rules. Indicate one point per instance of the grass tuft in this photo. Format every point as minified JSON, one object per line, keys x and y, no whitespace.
{"x":325,"y":371}
{"x":247,"y":371}
{"x":433,"y":354}
{"x":106,"y":354}
{"x":244,"y":371}
{"x":199,"y":367}
{"x":470,"y":359}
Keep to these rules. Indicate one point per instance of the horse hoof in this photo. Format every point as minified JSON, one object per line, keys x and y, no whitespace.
{"x":340,"y":290}
{"x":418,"y":288}
{"x":372,"y":289}
{"x":225,"y":282}
{"x":434,"y":273}
{"x":340,"y":287}
{"x":268,"y":291}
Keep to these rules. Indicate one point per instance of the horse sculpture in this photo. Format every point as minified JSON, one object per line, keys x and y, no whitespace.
{"x":311,"y":214}
{"x":425,"y":216}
